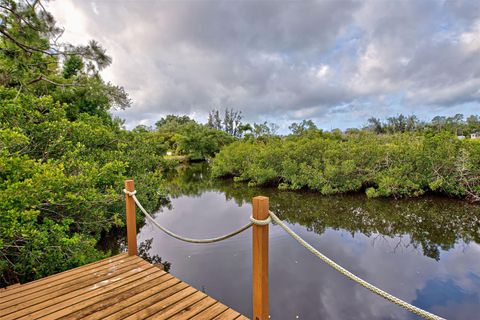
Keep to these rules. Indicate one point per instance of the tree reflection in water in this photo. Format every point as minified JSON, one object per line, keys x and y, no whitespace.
{"x":423,"y":250}
{"x":431,"y":223}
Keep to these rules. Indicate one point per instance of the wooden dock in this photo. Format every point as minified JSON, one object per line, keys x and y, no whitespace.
{"x":120,"y":287}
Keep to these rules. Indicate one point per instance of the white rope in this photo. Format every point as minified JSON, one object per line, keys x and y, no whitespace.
{"x":260,"y":222}
{"x":130,"y":193}
{"x":176,"y":236}
{"x":351,"y":276}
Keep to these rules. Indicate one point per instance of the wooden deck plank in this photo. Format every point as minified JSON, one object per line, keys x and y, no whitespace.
{"x":63,"y":290}
{"x":162,"y":304}
{"x":120,"y":287}
{"x":228,"y":314}
{"x":59,"y":276}
{"x":199,"y":307}
{"x":70,"y":284}
{"x":132,"y":300}
{"x":38,"y":309}
{"x":58,"y":284}
{"x":178,"y":306}
{"x":97,"y":308}
{"x":211,"y":312}
{"x":140,"y":305}
{"x":73,"y":305}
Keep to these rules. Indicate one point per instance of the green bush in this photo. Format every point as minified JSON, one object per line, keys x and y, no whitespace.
{"x":61,"y":182}
{"x":391,"y":165}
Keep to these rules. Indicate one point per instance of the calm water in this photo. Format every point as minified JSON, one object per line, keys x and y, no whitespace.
{"x":425,"y":251}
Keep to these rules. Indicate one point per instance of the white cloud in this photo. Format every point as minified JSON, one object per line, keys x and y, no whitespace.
{"x":94,"y":8}
{"x":470,"y":40}
{"x":281,"y":61}
{"x":73,"y":20}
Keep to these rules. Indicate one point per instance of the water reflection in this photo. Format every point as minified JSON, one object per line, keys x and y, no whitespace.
{"x":424,"y":250}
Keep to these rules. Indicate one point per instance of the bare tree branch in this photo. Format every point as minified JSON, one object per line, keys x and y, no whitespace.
{"x":23,"y":46}
{"x":19,"y":17}
{"x":42,"y":77}
{"x":18,"y":93}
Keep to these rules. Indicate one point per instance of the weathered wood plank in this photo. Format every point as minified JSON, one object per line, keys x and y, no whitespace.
{"x":89,"y":282}
{"x":210,"y":312}
{"x":40,"y":311}
{"x":162,"y":304}
{"x":119,"y":296}
{"x":65,"y":282}
{"x":76,"y":303}
{"x":228,"y":314}
{"x":195,"y":309}
{"x":141,"y":305}
{"x":179,"y":306}
{"x":120,"y":287}
{"x":62,"y":277}
{"x":127,"y":303}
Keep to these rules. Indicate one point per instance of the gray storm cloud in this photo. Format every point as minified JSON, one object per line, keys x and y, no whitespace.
{"x":287,"y":60}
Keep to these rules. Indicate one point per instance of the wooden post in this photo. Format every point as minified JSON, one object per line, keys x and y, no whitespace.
{"x":260,"y":260}
{"x":131,"y":219}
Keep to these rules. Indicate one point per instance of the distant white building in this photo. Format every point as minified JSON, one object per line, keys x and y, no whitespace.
{"x":461,"y":137}
{"x":475,"y":135}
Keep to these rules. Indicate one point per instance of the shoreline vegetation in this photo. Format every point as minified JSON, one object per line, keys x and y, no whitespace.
{"x":407,"y":164}
{"x":64,"y":156}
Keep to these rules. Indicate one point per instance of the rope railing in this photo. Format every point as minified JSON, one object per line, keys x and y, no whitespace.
{"x":422,"y":313}
{"x":273,"y":217}
{"x":181,"y":238}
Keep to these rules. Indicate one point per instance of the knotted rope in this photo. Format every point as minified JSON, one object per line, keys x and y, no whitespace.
{"x":260,"y":222}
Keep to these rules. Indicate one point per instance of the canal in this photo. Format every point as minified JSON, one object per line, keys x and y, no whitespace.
{"x":425,"y":251}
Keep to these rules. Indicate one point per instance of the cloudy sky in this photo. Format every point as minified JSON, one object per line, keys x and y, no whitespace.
{"x":335,"y":62}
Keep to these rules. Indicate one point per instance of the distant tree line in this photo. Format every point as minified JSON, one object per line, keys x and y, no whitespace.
{"x":185,"y":136}
{"x":398,"y":157}
{"x":457,"y":124}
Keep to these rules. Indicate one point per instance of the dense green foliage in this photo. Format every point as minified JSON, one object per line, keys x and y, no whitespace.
{"x":61,"y":183}
{"x":402,"y":164}
{"x":63,"y":158}
{"x":186,"y":137}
